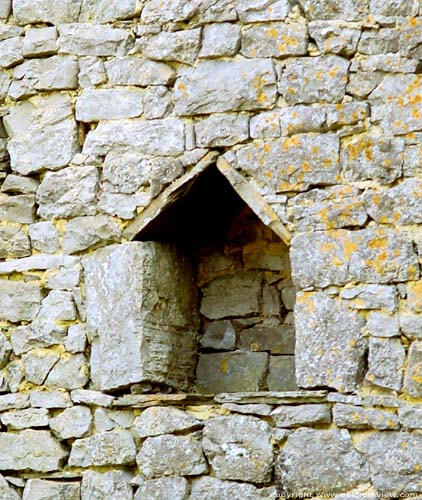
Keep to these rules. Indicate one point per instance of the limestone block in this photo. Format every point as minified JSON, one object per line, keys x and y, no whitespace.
{"x":321,"y":461}
{"x":221,"y":130}
{"x":45,"y":11}
{"x":354,"y":256}
{"x":50,"y":399}
{"x":158,"y":102}
{"x":371,"y":297}
{"x":231,"y":372}
{"x":15,"y":184}
{"x":391,"y":7}
{"x":93,"y":40}
{"x":412,"y":381}
{"x":14,"y":402}
{"x":34,"y":450}
{"x":89,"y":397}
{"x":166,"y":456}
{"x":13,"y":243}
{"x":291,"y":164}
{"x":348,"y":10}
{"x":281,"y":374}
{"x":4,"y":88}
{"x":99,"y":485}
{"x":314,"y":79}
{"x":20,"y":209}
{"x":219,"y":40}
{"x":301,"y":415}
{"x":393,"y":458}
{"x":103,"y":11}
{"x":276,"y":340}
{"x":5,"y":9}
{"x":162,"y":420}
{"x":109,"y":104}
{"x":333,"y":38}
{"x":76,"y":339}
{"x":252,"y":11}
{"x":68,"y":193}
{"x":123,"y":205}
{"x":323,"y":358}
{"x":105,"y":448}
{"x":11,"y":52}
{"x":85,"y":232}
{"x":40,"y":42}
{"x":182,"y":10}
{"x":411,"y":325}
{"x":219,"y":335}
{"x":22,"y":419}
{"x":153,"y":137}
{"x":38,"y":262}
{"x":54,"y":73}
{"x":217,"y":86}
{"x":181,"y":46}
{"x":210,"y":488}
{"x":412,"y":160}
{"x":65,"y":278}
{"x":383,"y":41}
{"x":43,"y":134}
{"x":69,"y":373}
{"x":19,"y":301}
{"x":6,"y":491}
{"x":44,"y":237}
{"x":73,"y":422}
{"x":238,"y":447}
{"x":5,"y":349}
{"x":410,"y":416}
{"x":40,"y":489}
{"x":133,"y":70}
{"x":151,"y":335}
{"x":391,"y":63}
{"x":366,"y":157}
{"x":237,"y":295}
{"x":329,"y":208}
{"x":165,"y":488}
{"x":274,"y":40}
{"x":355,"y":417}
{"x":385,"y":363}
{"x":91,"y":72}
{"x":37,"y":364}
{"x":380,"y":324}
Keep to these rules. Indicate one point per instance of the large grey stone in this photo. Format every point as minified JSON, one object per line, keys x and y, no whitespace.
{"x":383,"y":41}
{"x":237,"y":295}
{"x":314,"y":79}
{"x":5,"y":9}
{"x":14,"y":402}
{"x":345,"y":256}
{"x":355,"y":417}
{"x":13,"y":243}
{"x":220,"y":39}
{"x":6,"y":491}
{"x":183,"y":10}
{"x":41,"y":489}
{"x":50,"y":399}
{"x":380,"y":324}
{"x":105,"y":448}
{"x":252,"y":11}
{"x":181,"y":46}
{"x":68,"y":193}
{"x":393,"y":459}
{"x":150,"y":335}
{"x":410,"y":36}
{"x":410,"y":416}
{"x":113,"y":484}
{"x":86,"y":232}
{"x":385,"y":362}
{"x":132,"y":70}
{"x":323,"y":357}
{"x":45,"y":11}
{"x":11,"y":52}
{"x":43,"y":134}
{"x":37,"y":365}
{"x":166,"y":456}
{"x":221,"y":130}
{"x":162,"y":420}
{"x":276,"y":340}
{"x":413,"y":378}
{"x":22,"y":419}
{"x":44,"y":237}
{"x":301,"y":415}
{"x":91,"y":72}
{"x":93,"y":40}
{"x":19,"y":301}
{"x":16,"y":184}
{"x":19,"y":209}
{"x":348,"y":10}
{"x":219,"y":335}
{"x":5,"y":349}
{"x":238,"y":447}
{"x":321,"y":462}
{"x":332,"y":37}
{"x":292,"y":164}
{"x":34,"y":450}
{"x":70,"y":372}
{"x":153,"y":137}
{"x":210,"y":488}
{"x":103,"y":11}
{"x":40,"y":42}
{"x":231,"y":372}
{"x":94,"y":105}
{"x":164,"y":488}
{"x":371,"y":297}
{"x":411,"y":325}
{"x":216,"y":86}
{"x":281,"y":374}
{"x":72,"y":423}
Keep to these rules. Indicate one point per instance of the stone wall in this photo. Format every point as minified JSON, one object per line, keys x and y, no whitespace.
{"x":109,"y":111}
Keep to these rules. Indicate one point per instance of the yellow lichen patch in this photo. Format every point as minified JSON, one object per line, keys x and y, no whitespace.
{"x":272,"y":33}
{"x":291,"y":142}
{"x":224,"y":365}
{"x":414,"y":296}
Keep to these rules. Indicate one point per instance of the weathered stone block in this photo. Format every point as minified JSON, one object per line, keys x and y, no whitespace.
{"x":281,"y":374}
{"x":13,"y":243}
{"x":217,"y":86}
{"x":274,"y":40}
{"x":385,"y":363}
{"x":162,"y":420}
{"x":393,"y":459}
{"x":34,"y":450}
{"x":165,"y":488}
{"x":166,"y":456}
{"x":85,"y":232}
{"x":371,"y":297}
{"x":413,"y":378}
{"x":103,"y":11}
{"x":11,"y":52}
{"x":93,"y":40}
{"x":333,"y":38}
{"x":355,"y":417}
{"x":105,"y":448}
{"x":380,"y":324}
{"x":323,"y":357}
{"x":70,"y":372}
{"x":276,"y":340}
{"x":348,"y":10}
{"x":22,"y":419}
{"x":385,"y":40}
{"x":231,"y":372}
{"x":72,"y":423}
{"x":19,"y":301}
{"x":37,"y":365}
{"x":319,"y":461}
{"x":40,"y":42}
{"x":6,"y":491}
{"x":301,"y":415}
{"x":411,"y":325}
{"x":239,"y":448}
{"x":221,"y":130}
{"x":210,"y":488}
{"x":15,"y":184}
{"x":20,"y":209}
{"x":113,"y":484}
{"x":219,"y":335}
{"x":410,"y":416}
{"x":50,"y":399}
{"x":181,"y":46}
{"x":45,"y":11}
{"x":157,"y":281}
{"x":40,"y":489}
{"x":252,"y":11}
{"x":44,"y":237}
{"x":222,"y":39}
{"x":314,"y":79}
{"x":132,"y":70}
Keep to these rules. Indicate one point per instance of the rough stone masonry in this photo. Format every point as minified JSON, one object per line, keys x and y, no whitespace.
{"x":142,"y":369}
